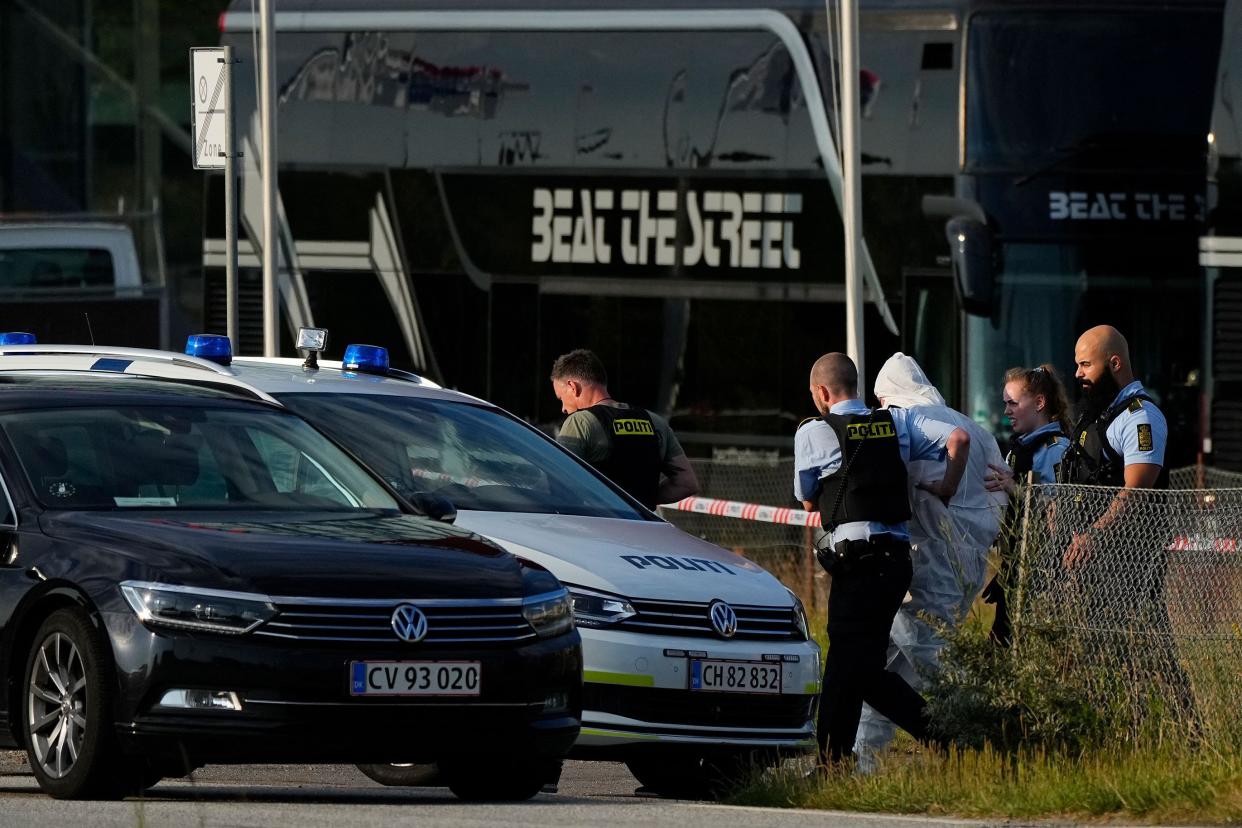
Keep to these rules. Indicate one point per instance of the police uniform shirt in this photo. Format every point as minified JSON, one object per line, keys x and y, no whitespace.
{"x":817,"y":454}
{"x":1140,"y":433}
{"x":1047,"y":457}
{"x":584,"y":435}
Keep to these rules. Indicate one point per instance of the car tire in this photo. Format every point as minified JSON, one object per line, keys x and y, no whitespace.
{"x":696,"y":775}
{"x":475,"y":780}
{"x":403,"y":776}
{"x":66,"y":713}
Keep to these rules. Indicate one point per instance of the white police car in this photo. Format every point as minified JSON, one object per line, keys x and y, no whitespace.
{"x":697,"y":662}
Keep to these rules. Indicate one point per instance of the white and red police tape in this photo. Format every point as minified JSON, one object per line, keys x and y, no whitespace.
{"x":797,"y":517}
{"x":745,"y":511}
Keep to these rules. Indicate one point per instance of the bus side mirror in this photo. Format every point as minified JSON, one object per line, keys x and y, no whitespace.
{"x":971,"y":250}
{"x":973,"y":255}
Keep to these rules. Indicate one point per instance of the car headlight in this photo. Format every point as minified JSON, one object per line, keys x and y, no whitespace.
{"x":598,"y":609}
{"x":187,"y":608}
{"x":550,"y":614}
{"x":800,"y":621}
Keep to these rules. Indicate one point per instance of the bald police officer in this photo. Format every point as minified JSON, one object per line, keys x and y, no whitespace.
{"x":1119,"y":440}
{"x":633,"y":447}
{"x":850,"y":464}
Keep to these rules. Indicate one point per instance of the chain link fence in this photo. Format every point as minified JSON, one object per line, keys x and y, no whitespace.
{"x":1147,"y":611}
{"x":1143,"y":592}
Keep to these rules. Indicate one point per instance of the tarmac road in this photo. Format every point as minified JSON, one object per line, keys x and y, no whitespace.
{"x":332,"y":796}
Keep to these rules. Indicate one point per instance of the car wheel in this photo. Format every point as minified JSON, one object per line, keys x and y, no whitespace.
{"x":403,"y":776}
{"x":490,"y":781}
{"x":695,"y":775}
{"x":66,"y":715}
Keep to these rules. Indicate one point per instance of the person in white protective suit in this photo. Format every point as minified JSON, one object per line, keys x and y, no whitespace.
{"x":949,"y":544}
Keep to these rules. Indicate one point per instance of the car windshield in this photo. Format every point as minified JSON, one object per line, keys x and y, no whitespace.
{"x":178,"y":457}
{"x":479,"y":458}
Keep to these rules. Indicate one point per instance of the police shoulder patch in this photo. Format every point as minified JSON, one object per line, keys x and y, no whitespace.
{"x":1145,"y":442}
{"x":1135,"y":405}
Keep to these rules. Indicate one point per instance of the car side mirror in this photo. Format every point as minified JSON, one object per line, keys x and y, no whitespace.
{"x":973,"y":254}
{"x":435,"y":507}
{"x":8,"y":546}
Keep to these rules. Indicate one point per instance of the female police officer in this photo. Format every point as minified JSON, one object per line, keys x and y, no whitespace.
{"x":1038,"y":411}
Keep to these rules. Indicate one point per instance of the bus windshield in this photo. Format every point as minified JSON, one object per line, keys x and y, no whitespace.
{"x":1088,"y":89}
{"x":1050,"y":293}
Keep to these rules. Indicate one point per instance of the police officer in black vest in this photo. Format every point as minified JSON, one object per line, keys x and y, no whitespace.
{"x":633,"y":447}
{"x":1119,"y":437}
{"x":1119,"y":440}
{"x":850,"y":465}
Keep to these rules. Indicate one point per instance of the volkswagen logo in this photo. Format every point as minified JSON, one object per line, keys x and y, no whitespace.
{"x":409,"y":623}
{"x":723,"y":618}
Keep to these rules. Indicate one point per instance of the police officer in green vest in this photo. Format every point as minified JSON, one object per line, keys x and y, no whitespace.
{"x":633,"y":447}
{"x":850,"y":465}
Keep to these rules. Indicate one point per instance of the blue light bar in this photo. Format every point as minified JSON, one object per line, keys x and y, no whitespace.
{"x":17,"y":338}
{"x":212,"y":347}
{"x":366,"y":359}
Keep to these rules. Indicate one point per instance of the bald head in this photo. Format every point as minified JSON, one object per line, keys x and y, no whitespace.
{"x":1102,"y":354}
{"x":833,"y":378}
{"x":1104,"y":342}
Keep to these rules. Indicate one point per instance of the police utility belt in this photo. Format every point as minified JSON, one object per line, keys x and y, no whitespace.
{"x":852,"y":555}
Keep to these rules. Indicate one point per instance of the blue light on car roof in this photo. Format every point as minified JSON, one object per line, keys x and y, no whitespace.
{"x":366,"y":359}
{"x":17,"y":338}
{"x":213,"y":347}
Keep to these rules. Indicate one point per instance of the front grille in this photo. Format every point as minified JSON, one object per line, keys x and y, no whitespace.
{"x":683,"y":618}
{"x":371,"y":622}
{"x":660,"y":705}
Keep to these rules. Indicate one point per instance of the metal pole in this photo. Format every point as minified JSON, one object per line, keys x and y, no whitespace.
{"x":267,"y":126}
{"x":230,"y":204}
{"x":851,"y":214}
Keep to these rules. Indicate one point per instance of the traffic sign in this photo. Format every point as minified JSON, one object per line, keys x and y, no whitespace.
{"x":209,"y":74}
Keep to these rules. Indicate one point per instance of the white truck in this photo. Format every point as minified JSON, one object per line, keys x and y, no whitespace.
{"x":78,"y":281}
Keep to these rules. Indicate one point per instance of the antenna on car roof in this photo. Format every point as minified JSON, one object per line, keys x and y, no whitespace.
{"x":89,"y":330}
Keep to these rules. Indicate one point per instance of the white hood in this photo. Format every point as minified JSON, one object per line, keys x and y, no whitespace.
{"x":901,"y":382}
{"x":631,"y":558}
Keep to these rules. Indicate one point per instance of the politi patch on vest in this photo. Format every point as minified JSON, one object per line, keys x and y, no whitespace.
{"x":1145,"y":442}
{"x":874,"y":431}
{"x":631,"y":426}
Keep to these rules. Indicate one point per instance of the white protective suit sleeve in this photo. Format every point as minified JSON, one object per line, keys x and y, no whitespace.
{"x":949,"y":547}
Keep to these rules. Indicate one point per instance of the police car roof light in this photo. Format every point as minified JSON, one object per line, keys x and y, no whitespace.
{"x":367,"y":359}
{"x":213,"y":347}
{"x":17,"y":338}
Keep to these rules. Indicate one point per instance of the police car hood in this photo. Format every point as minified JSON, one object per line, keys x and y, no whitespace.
{"x":632,"y":558}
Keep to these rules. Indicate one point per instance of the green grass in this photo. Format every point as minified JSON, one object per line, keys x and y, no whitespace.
{"x":1164,"y":786}
{"x":1104,"y":777}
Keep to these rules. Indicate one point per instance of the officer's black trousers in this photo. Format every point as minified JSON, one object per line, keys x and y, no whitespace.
{"x":865,"y":596}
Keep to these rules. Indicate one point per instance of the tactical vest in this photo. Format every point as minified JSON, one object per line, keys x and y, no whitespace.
{"x":634,"y":459}
{"x":1021,"y":456}
{"x":874,"y":487}
{"x":1091,"y":461}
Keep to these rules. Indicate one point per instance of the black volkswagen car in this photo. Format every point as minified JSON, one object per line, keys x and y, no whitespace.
{"x":188,"y":577}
